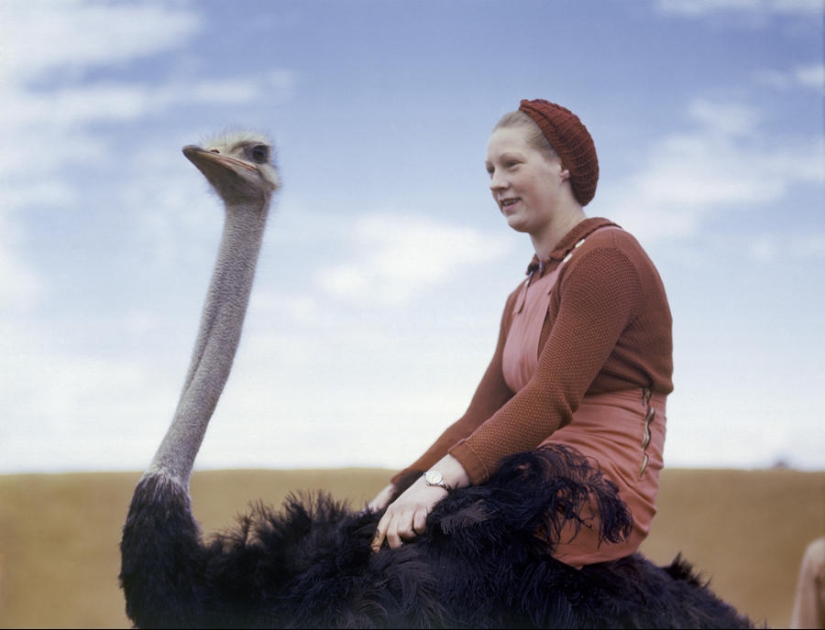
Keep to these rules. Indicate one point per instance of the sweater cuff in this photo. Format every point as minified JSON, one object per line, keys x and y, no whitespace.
{"x":473,"y":465}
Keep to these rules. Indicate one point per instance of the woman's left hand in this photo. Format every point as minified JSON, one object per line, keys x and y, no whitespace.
{"x":406,"y":517}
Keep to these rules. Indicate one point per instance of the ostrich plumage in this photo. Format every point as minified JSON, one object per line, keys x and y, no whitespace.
{"x":483,"y":561}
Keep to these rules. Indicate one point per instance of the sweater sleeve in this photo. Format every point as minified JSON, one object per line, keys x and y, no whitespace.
{"x":492,"y":392}
{"x":596,"y":297}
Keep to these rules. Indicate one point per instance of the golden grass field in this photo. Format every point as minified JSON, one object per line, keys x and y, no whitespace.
{"x":745,"y":530}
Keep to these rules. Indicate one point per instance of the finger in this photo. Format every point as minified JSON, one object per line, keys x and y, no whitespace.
{"x":404,"y":532}
{"x":380,"y":534}
{"x":393,"y":538}
{"x":420,"y":522}
{"x":400,"y":531}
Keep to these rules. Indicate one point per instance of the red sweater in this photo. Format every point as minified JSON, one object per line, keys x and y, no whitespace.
{"x":608,"y":329}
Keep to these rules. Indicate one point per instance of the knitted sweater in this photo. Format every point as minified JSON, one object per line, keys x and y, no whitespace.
{"x":608,"y":328}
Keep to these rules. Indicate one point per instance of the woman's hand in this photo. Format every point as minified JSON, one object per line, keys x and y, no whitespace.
{"x":383,"y":498}
{"x":406,"y":517}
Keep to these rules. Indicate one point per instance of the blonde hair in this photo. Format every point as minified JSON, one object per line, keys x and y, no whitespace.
{"x":535,"y":139}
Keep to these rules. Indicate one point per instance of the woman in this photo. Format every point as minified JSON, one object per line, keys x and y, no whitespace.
{"x":584,"y":355}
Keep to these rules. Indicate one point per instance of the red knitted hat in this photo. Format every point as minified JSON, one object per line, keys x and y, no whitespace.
{"x":572,"y":142}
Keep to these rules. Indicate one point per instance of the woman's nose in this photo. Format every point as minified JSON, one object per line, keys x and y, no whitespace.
{"x":497,"y":181}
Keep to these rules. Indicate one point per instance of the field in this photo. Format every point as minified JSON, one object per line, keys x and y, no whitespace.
{"x":745,"y":530}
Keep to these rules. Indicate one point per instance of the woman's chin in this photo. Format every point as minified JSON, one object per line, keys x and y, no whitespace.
{"x":515,"y":223}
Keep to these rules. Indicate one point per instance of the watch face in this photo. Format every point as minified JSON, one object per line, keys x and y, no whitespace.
{"x":433,"y":477}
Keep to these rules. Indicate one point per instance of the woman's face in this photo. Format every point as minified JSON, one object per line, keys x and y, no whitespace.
{"x":525,"y":182}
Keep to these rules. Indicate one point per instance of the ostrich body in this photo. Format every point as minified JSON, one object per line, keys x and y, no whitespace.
{"x":479,"y":564}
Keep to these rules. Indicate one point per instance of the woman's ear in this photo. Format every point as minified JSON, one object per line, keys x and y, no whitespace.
{"x":565,"y":173}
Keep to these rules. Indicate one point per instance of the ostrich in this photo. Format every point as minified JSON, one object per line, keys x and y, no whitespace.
{"x":480,"y":563}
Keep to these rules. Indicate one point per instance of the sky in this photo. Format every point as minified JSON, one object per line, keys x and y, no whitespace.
{"x":386,"y":263}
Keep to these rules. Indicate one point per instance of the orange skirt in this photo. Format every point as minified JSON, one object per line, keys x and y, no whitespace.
{"x":622,"y":433}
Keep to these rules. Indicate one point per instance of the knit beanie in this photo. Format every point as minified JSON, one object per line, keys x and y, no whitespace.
{"x":571,"y":141}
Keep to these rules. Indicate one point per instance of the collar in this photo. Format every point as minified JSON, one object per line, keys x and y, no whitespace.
{"x":568,"y":242}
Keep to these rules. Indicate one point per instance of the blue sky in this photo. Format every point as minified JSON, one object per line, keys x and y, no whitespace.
{"x":386,"y":264}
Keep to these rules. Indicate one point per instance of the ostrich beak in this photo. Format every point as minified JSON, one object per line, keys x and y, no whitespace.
{"x":233,"y":179}
{"x":203,"y":158}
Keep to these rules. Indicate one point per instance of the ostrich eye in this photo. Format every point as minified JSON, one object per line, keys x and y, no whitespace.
{"x":260,"y":153}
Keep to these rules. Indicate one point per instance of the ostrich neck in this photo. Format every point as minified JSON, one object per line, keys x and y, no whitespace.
{"x":217,"y":341}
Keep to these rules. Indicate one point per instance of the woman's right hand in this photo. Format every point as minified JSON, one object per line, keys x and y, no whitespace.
{"x":383,"y":498}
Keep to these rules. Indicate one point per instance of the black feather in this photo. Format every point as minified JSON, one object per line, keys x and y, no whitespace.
{"x":482,"y":563}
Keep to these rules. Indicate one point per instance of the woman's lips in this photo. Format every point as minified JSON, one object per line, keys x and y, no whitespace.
{"x":508,"y":204}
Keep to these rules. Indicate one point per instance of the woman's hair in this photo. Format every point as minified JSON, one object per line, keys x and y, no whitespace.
{"x":535,"y":139}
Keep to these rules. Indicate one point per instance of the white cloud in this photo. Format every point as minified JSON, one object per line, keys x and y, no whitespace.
{"x":725,"y":163}
{"x":61,"y":110}
{"x":243,"y":90}
{"x":698,"y":8}
{"x":763,"y":248}
{"x":298,"y":308}
{"x":725,"y":119}
{"x":83,"y":35}
{"x":811,"y":76}
{"x":46,"y":127}
{"x":100,"y":406}
{"x":39,"y":36}
{"x":20,"y":287}
{"x":771,"y":247}
{"x":400,"y":255}
{"x":808,"y":245}
{"x":55,"y":124}
{"x":51,"y":113}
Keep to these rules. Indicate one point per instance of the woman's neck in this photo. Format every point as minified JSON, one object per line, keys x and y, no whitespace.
{"x":545,"y":242}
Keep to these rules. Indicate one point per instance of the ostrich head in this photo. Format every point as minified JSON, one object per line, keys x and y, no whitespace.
{"x":238,"y":166}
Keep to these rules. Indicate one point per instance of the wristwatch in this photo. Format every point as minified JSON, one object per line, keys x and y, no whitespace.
{"x":434,"y":478}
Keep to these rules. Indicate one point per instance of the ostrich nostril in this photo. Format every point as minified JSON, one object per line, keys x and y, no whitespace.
{"x":214,"y":151}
